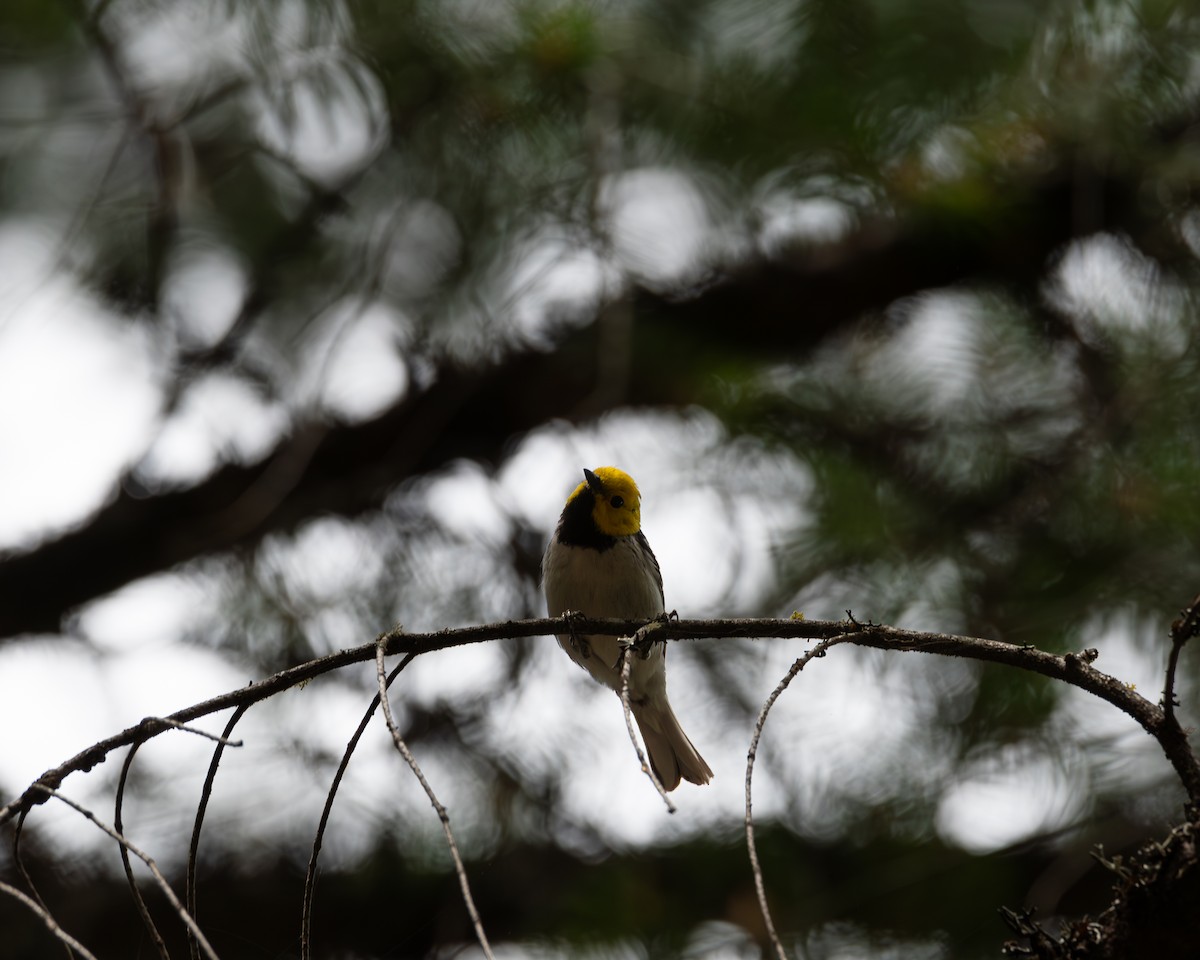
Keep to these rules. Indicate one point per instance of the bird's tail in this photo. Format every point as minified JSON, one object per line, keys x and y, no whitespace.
{"x":672,"y":754}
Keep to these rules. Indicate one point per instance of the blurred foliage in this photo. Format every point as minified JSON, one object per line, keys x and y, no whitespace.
{"x":919,"y":322}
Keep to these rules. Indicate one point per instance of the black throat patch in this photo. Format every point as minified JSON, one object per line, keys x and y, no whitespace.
{"x":577,"y":527}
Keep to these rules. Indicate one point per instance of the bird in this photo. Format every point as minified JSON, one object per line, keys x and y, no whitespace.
{"x":599,"y":563}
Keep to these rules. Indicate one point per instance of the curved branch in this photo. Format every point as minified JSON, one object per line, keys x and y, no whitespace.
{"x":310,"y":875}
{"x":201,"y":808}
{"x":118,"y":825}
{"x":34,"y":896}
{"x":1072,"y":668}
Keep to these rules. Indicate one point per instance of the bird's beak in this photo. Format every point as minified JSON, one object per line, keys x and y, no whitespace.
{"x":593,"y":482}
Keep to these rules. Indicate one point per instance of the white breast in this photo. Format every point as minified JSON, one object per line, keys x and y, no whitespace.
{"x":619,"y":582}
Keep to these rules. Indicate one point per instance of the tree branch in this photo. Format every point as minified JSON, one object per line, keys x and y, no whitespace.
{"x":201,"y":807}
{"x":1072,"y":668}
{"x":119,"y":827}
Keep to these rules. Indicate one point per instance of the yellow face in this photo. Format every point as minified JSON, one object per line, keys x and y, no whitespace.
{"x":618,"y":505}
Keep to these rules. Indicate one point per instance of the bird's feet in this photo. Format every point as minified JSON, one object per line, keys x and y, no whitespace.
{"x":578,"y":643}
{"x":652,"y":632}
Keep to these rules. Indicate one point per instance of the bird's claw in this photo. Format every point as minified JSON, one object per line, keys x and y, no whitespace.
{"x":578,"y":643}
{"x":644,"y":640}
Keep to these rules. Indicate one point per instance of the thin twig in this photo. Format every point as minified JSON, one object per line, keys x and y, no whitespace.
{"x":51,"y":924}
{"x":19,"y":860}
{"x":138,"y":900}
{"x":751,"y":846}
{"x":625,"y":661}
{"x":220,"y":738}
{"x":153,"y":723}
{"x":443,"y":816}
{"x":310,"y":876}
{"x":147,"y":860}
{"x":201,"y":808}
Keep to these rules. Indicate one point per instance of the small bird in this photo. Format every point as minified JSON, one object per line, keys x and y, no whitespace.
{"x":599,"y":563}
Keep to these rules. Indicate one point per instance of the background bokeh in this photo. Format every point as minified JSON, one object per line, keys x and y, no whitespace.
{"x":311,"y":312}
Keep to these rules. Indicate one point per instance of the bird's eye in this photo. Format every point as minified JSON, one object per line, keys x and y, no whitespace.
{"x":617,"y":501}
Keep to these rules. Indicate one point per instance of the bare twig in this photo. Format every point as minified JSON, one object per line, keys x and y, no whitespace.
{"x":220,"y":738}
{"x":155,"y":723}
{"x":51,"y":924}
{"x":19,"y":860}
{"x":201,"y":808}
{"x":1072,"y":668}
{"x":138,"y":900}
{"x":625,"y":661}
{"x":148,"y":861}
{"x":310,"y":876}
{"x":751,"y":846}
{"x":443,"y":816}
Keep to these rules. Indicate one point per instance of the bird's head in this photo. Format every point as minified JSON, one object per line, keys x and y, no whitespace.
{"x":616,"y":503}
